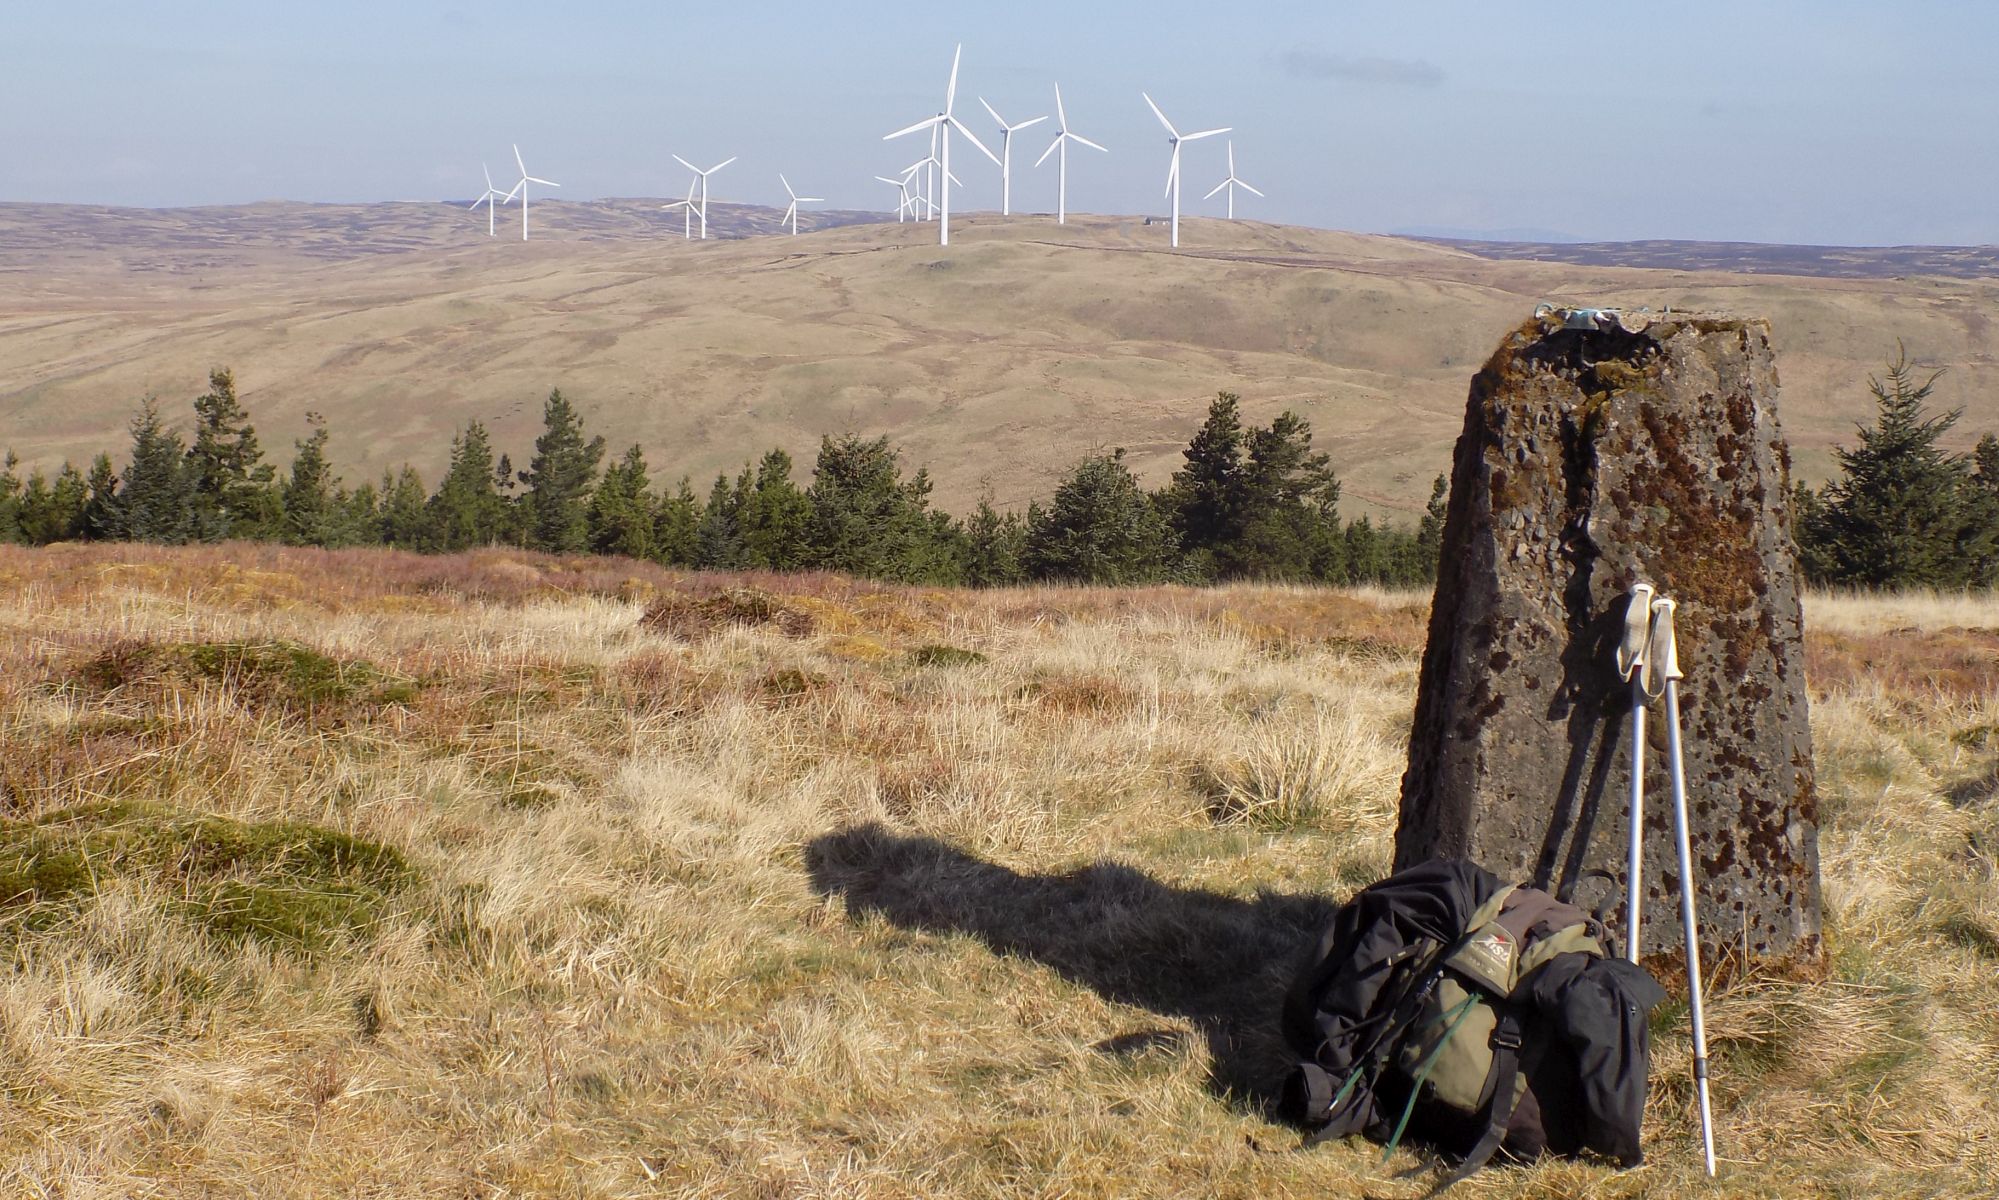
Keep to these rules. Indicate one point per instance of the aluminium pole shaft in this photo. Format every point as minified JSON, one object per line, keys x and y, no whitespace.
{"x":1666,"y":660}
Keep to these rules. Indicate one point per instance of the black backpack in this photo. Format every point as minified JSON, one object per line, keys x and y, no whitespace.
{"x":1477,"y":1016}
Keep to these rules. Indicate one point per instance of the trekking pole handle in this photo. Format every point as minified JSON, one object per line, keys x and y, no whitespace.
{"x":1632,"y":651}
{"x":1665,"y":646}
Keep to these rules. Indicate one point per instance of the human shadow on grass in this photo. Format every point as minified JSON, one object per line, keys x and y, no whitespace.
{"x":1219,"y":962}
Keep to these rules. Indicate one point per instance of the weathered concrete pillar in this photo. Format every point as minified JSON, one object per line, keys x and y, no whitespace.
{"x":1593,"y":459}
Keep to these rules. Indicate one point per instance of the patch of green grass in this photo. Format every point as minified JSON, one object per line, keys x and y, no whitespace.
{"x":283,"y":882}
{"x":944,"y":656}
{"x":274,"y":674}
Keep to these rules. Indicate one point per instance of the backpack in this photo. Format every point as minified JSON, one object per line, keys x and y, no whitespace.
{"x":1478,"y":1016}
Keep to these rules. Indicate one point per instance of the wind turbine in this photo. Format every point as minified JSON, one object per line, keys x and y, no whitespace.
{"x":1175,"y":138}
{"x":791,"y":214}
{"x":704,"y":185}
{"x":1006,"y":155}
{"x":1232,"y":183}
{"x":521,"y":190}
{"x":904,"y":202}
{"x":487,"y":200}
{"x":1061,"y":143}
{"x":686,"y":208}
{"x":943,"y":123}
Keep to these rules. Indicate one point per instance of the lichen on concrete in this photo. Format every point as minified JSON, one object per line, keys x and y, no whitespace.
{"x":1591,"y":461}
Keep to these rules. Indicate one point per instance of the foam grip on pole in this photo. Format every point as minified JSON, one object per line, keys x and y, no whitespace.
{"x":1631,"y":652}
{"x":1665,"y":648}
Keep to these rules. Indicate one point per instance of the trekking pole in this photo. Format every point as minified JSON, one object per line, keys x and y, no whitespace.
{"x":1634,"y":663}
{"x":1666,"y":660}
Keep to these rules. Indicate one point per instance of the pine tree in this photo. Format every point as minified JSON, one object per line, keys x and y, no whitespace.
{"x":404,"y":523}
{"x":718,"y":538}
{"x":10,"y":500}
{"x":1430,"y":532}
{"x":674,"y":538}
{"x":312,"y":515}
{"x":155,"y":501}
{"x":994,"y":547}
{"x":1288,"y":508}
{"x":468,"y":508}
{"x":53,"y":512}
{"x":1903,"y":512}
{"x":776,"y":517}
{"x":1100,"y":527}
{"x":225,"y":464}
{"x":558,"y":480}
{"x":867,"y":521}
{"x":1204,"y":497}
{"x":621,"y":509}
{"x":100,"y":506}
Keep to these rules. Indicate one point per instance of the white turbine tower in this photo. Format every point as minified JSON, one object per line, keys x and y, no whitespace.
{"x":1006,"y":155}
{"x":1175,"y":138}
{"x":1232,"y":183}
{"x":703,"y":175}
{"x":943,"y":123}
{"x":791,"y":214}
{"x":1061,"y":143}
{"x":492,"y":194}
{"x":686,"y":208}
{"x":521,"y":190}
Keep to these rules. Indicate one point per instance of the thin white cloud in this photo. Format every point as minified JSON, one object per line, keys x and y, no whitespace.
{"x":1395,"y":72}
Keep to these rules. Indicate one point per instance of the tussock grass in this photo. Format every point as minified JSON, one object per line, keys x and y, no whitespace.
{"x":941,"y":894}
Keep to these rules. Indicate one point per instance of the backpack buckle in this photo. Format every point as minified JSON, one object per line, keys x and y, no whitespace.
{"x":1505,"y":1036}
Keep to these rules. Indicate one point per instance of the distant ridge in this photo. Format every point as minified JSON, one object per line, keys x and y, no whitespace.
{"x":1753,"y":258}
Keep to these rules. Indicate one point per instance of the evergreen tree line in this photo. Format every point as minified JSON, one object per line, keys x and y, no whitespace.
{"x":1248,"y":503}
{"x":1901,"y":511}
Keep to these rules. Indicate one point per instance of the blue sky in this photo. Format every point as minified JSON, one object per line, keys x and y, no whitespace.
{"x":1780,"y":120}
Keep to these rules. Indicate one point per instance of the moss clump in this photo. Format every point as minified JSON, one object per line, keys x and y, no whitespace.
{"x":279,"y":881}
{"x":944,"y":656}
{"x":268,"y":674}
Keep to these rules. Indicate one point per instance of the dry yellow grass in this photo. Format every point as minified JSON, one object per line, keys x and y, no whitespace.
{"x":943,"y":894}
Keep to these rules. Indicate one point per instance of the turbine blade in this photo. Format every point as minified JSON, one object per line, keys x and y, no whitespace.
{"x":1218,"y":187}
{"x":973,"y":138}
{"x":1061,"y":117}
{"x":1051,"y":149}
{"x":718,"y":166}
{"x":1173,"y":170}
{"x":787,"y":185}
{"x":690,"y":166}
{"x":926,"y":123}
{"x":1204,"y":133}
{"x":951,"y":90}
{"x":812,"y":199}
{"x":517,"y":160}
{"x":891,"y":182}
{"x":1087,"y":142}
{"x":488,"y":174}
{"x":994,"y":112}
{"x":1025,"y":124}
{"x":955,"y":179}
{"x":1252,"y":191}
{"x":509,"y":197}
{"x":549,"y":182}
{"x":1161,"y":116}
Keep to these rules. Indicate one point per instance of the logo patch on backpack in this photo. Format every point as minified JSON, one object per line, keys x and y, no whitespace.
{"x":1489,"y":958}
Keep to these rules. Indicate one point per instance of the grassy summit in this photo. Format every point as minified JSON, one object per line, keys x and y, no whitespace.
{"x":358,"y":873}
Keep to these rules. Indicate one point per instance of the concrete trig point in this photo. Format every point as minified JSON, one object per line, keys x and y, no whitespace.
{"x":1601,"y":450}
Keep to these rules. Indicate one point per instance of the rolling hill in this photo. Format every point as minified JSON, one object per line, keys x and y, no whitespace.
{"x":996,"y":362}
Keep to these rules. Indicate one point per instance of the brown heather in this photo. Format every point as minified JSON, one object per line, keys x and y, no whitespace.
{"x":370,"y":875}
